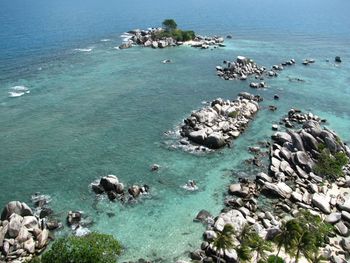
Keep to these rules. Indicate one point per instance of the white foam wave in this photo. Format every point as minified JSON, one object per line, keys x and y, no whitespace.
{"x":105,"y":40}
{"x":126,"y":35}
{"x":116,"y":47}
{"x":83,"y":49}
{"x":18,"y":91}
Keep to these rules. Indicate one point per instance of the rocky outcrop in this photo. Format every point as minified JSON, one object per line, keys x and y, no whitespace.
{"x":16,"y":207}
{"x":217,"y":125}
{"x":295,"y":184}
{"x":239,"y":69}
{"x":115,"y":190}
{"x":152,"y":37}
{"x":243,"y":67}
{"x":22,"y":234}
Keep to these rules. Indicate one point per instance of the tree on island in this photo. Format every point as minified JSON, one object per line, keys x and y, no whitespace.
{"x":170,"y":30}
{"x":169,"y":25}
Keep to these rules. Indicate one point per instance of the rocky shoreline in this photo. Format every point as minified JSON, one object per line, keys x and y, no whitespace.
{"x":215,"y":126}
{"x":22,"y":233}
{"x":149,"y":38}
{"x":294,"y":183}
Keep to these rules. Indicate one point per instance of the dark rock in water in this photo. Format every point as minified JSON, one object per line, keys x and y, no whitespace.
{"x":125,"y":45}
{"x":52,"y":225}
{"x":109,"y":182}
{"x":337,"y":59}
{"x":215,"y":141}
{"x":45,"y":212}
{"x":134,"y":191}
{"x":40,"y":200}
{"x":197,"y":255}
{"x":272,"y":108}
{"x":112,"y":195}
{"x":73,"y":218}
{"x":97,"y":188}
{"x":229,"y":37}
{"x":276,"y":97}
{"x":202,"y":216}
{"x":155,"y":167}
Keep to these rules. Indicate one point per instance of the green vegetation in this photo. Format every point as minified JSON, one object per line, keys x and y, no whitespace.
{"x":330,"y":165}
{"x":224,"y":239}
{"x":249,"y":240}
{"x":321,"y":147}
{"x":169,"y":25}
{"x":233,"y":114}
{"x":303,"y":235}
{"x":92,"y":248}
{"x":170,"y":30}
{"x":274,"y":259}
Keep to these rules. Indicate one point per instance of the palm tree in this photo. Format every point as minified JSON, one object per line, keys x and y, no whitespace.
{"x":288,"y":237}
{"x":315,"y":257}
{"x":245,"y":233}
{"x":244,"y":252}
{"x":306,"y":244}
{"x":224,"y":239}
{"x":258,"y":244}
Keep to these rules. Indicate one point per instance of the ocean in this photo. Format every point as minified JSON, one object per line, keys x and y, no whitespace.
{"x":91,"y":110}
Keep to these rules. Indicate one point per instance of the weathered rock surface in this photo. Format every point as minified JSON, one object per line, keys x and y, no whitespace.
{"x":217,"y":125}
{"x":152,"y":38}
{"x":15,"y":207}
{"x":21,"y":233}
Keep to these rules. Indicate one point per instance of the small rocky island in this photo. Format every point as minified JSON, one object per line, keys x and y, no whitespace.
{"x":217,"y":125}
{"x":243,"y":67}
{"x":115,"y":190}
{"x":308,"y":181}
{"x":168,"y":36}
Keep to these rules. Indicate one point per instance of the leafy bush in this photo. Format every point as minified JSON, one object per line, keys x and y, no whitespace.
{"x":92,"y":248}
{"x":330,"y":165}
{"x":177,"y":34}
{"x":274,"y":259}
{"x":321,"y":147}
{"x":233,"y":114}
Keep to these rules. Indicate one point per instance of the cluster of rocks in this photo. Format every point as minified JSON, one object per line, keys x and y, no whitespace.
{"x":308,"y":61}
{"x":244,"y":67}
{"x":150,"y":38}
{"x":293,"y":184}
{"x":204,"y":42}
{"x":239,"y":69}
{"x":216,"y":125}
{"x":115,"y":190}
{"x":22,"y":234}
{"x":79,"y":222}
{"x":297,"y":117}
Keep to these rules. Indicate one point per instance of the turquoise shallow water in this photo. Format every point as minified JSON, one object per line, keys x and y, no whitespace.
{"x":89,"y":114}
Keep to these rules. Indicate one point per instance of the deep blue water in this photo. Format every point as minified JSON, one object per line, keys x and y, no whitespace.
{"x":89,"y":114}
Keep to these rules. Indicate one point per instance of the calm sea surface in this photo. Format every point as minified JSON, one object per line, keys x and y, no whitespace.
{"x":93,"y":110}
